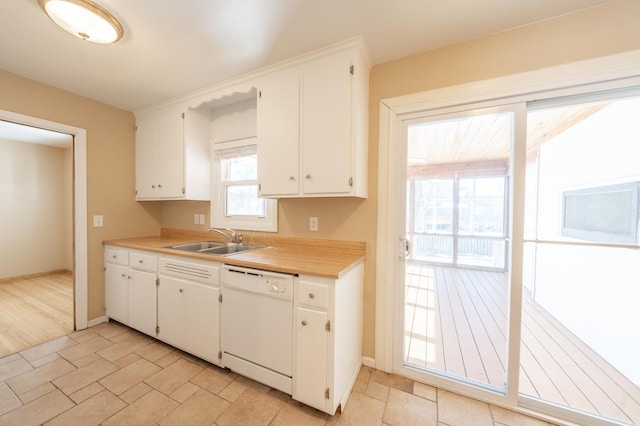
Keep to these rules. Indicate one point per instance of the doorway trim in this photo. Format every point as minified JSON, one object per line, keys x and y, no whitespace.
{"x":80,"y":270}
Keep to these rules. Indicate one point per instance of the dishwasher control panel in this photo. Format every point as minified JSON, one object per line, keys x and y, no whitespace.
{"x":258,"y":281}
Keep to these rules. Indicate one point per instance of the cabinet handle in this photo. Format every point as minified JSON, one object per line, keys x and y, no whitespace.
{"x":304,"y":323}
{"x":311,"y":296}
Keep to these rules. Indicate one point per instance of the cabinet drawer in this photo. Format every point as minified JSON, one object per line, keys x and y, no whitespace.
{"x":143,"y":261}
{"x":311,"y":294}
{"x":114,"y":255}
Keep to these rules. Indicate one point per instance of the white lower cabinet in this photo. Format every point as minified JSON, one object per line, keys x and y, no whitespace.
{"x":142,"y":301}
{"x":327,"y":338}
{"x":189,"y":306}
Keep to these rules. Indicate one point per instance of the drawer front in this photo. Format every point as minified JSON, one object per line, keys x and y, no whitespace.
{"x":143,"y":261}
{"x":311,"y":294}
{"x":115,"y":255}
{"x":202,"y":272}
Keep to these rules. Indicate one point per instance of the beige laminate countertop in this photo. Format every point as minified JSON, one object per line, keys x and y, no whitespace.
{"x":321,"y":258}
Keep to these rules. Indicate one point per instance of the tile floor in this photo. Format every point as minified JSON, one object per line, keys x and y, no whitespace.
{"x":112,"y":375}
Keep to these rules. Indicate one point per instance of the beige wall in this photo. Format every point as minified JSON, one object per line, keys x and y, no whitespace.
{"x":35,"y":209}
{"x":606,"y":30}
{"x":110,"y":166}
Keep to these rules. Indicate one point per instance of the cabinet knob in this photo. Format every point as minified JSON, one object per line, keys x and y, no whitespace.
{"x":181,"y":290}
{"x":312,"y":296}
{"x":159,"y":186}
{"x":124,"y":275}
{"x":140,"y":261}
{"x":114,"y":256}
{"x":153,"y":186}
{"x":308,"y":176}
{"x":292,"y":178}
{"x":304,"y":323}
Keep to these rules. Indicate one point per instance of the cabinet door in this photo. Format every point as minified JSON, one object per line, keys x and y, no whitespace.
{"x":203,"y":321}
{"x":310,"y":374}
{"x":147,"y":159}
{"x":326,"y":127}
{"x":171,"y":155}
{"x":278,"y":135}
{"x":172,"y":323}
{"x":116,"y":283}
{"x":142,"y":301}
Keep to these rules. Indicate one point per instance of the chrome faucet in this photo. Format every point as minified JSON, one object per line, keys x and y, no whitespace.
{"x":231,"y":237}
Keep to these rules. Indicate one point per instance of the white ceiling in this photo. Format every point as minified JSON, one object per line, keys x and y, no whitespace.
{"x":173,"y":47}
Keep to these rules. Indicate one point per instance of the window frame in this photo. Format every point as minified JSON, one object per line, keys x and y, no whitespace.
{"x":219,"y":218}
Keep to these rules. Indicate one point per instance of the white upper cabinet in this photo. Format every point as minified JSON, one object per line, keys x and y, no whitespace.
{"x":312,"y":128}
{"x":172,"y":156}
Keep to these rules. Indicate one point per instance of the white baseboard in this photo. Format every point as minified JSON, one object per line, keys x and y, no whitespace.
{"x":96,"y":321}
{"x":368,"y":362}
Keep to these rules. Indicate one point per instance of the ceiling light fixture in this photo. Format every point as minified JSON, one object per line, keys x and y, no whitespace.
{"x":84,"y":19}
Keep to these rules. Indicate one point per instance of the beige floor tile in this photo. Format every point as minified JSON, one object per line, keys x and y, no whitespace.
{"x":86,"y":392}
{"x":154,"y":351}
{"x":136,"y":392}
{"x":425,"y":391}
{"x":212,"y":379}
{"x":39,"y":411}
{"x":123,"y":348}
{"x":125,"y":378}
{"x":86,"y":360}
{"x":377,"y":391}
{"x":253,"y":408}
{"x":45,"y":360}
{"x":83,"y":335}
{"x":8,"y":400}
{"x":93,"y":411}
{"x":14,"y":368}
{"x":175,"y":375}
{"x":295,"y":413}
{"x":393,"y":381}
{"x":9,"y":358}
{"x":126,"y":360}
{"x":203,"y":408}
{"x":360,"y":410}
{"x":84,"y":376}
{"x":39,"y":376}
{"x":109,"y":330}
{"x":85,"y":348}
{"x":167,"y":359}
{"x":232,"y":392}
{"x":48,"y":348}
{"x":507,"y":417}
{"x":457,"y":410}
{"x":147,"y":410}
{"x":407,"y":409}
{"x":184,"y":392}
{"x":360,"y":386}
{"x":36,"y":393}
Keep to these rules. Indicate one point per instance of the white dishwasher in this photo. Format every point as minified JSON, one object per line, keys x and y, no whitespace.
{"x":257,"y":325}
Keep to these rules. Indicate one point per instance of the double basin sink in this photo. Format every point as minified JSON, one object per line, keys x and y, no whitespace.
{"x":215,"y":248}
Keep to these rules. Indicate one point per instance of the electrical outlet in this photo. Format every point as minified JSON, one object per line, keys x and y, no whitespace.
{"x":98,"y":221}
{"x":196,"y":219}
{"x":202,"y":222}
{"x":313,"y":224}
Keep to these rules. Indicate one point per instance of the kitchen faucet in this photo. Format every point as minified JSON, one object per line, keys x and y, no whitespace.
{"x":232,"y":237}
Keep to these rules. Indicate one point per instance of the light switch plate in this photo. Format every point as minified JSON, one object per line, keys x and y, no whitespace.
{"x":98,"y":221}
{"x":313,"y":224}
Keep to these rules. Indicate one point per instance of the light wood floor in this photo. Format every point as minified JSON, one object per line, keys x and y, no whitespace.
{"x":35,"y":310}
{"x":456,"y":322}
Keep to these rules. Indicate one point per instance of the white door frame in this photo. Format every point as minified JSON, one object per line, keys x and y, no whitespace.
{"x":605,"y":73}
{"x":80,"y":270}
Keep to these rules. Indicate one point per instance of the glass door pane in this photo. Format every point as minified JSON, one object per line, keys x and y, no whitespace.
{"x":456,"y":275}
{"x":580,"y":345}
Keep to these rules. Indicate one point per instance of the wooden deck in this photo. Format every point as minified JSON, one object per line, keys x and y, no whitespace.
{"x":456,"y":322}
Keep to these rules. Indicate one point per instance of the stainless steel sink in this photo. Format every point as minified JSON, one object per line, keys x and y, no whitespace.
{"x":196,"y":247}
{"x":214,"y":248}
